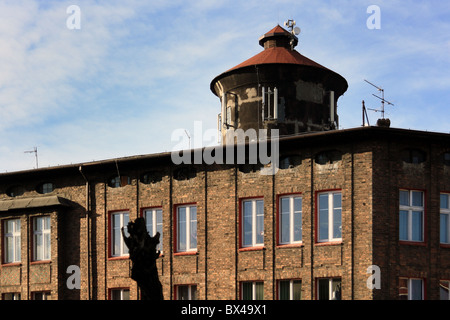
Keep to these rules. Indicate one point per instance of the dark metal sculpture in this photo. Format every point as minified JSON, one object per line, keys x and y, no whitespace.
{"x":143,"y":254}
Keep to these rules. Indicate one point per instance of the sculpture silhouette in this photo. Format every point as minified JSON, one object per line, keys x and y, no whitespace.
{"x":143,"y":254}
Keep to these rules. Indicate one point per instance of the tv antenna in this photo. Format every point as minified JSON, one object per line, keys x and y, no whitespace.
{"x":381,"y":98}
{"x":35,"y":154}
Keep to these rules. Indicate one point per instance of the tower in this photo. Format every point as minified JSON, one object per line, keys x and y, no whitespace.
{"x":279,"y":88}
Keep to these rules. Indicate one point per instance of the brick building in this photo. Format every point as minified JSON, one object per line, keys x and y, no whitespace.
{"x":341,"y":203}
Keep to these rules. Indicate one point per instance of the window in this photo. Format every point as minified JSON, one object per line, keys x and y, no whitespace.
{"x":413,"y":156}
{"x":329,"y":289}
{"x":186,"y":228}
{"x":11,"y":296}
{"x":411,"y":215}
{"x":120,"y":294}
{"x":187,"y":292}
{"x":43,"y":295}
{"x":11,"y":240}
{"x":291,"y":161}
{"x":444,"y":286}
{"x":15,"y":191}
{"x":445,"y":218}
{"x":154,"y":221}
{"x":328,"y":157}
{"x":252,"y":223}
{"x":330,"y":216}
{"x":41,"y":238}
{"x":289,"y":290}
{"x":410,"y":289}
{"x":119,"y":181}
{"x":252,"y":290}
{"x":446,"y":158}
{"x":44,"y":188}
{"x":118,"y":246}
{"x":290,"y":219}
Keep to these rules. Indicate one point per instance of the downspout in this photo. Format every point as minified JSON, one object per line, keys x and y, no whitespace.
{"x":88,"y":231}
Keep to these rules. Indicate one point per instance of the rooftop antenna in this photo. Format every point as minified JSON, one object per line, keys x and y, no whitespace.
{"x":293,"y":29}
{"x":381,"y":98}
{"x":35,"y":154}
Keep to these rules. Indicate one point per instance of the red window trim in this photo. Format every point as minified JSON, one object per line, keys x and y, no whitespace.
{"x":175,"y":229}
{"x":425,"y":214}
{"x":241,"y":211}
{"x":316,"y":218}
{"x":110,"y":239}
{"x":278,"y":223}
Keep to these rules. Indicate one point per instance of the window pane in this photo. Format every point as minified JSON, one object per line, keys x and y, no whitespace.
{"x":298,"y":226}
{"x":324,"y":289}
{"x":444,"y":290}
{"x":259,"y":222}
{"x":284,"y":229}
{"x":336,"y":286}
{"x":149,"y":222}
{"x":116,"y":242}
{"x":444,"y":201}
{"x":182,"y":229}
{"x":337,"y":200}
{"x":193,"y":227}
{"x":284,"y":288}
{"x":323,"y":224}
{"x":193,"y":292}
{"x":416,"y":289}
{"x":259,"y":290}
{"x":47,"y":246}
{"x":337,"y":223}
{"x":444,"y":236}
{"x":183,"y":293}
{"x":297,"y":290}
{"x":247,"y":291}
{"x":9,"y":249}
{"x":17,"y":247}
{"x":404,"y":198}
{"x":403,"y":225}
{"x":417,"y":226}
{"x":38,"y":247}
{"x":417,"y":198}
{"x":159,"y":228}
{"x":247,"y":223}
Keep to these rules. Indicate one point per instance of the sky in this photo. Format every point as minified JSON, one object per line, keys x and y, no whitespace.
{"x":128,"y":74}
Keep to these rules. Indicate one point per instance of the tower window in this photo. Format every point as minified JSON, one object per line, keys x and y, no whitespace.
{"x":415,"y":156}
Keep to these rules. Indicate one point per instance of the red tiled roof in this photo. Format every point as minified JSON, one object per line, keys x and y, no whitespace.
{"x":278,"y":55}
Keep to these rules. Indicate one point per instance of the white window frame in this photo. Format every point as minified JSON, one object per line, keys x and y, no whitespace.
{"x":15,"y":241}
{"x":410,"y":208}
{"x":448,"y":285}
{"x":123,"y":249}
{"x":189,"y":246}
{"x":191,"y":291}
{"x":151,"y":222}
{"x":11,"y":296}
{"x":254,"y":216}
{"x":291,"y":287}
{"x":445,"y":211}
{"x":45,"y":235}
{"x":291,"y":219}
{"x":410,"y":287}
{"x":253,"y":283}
{"x":331,"y":293}
{"x":331,"y":209}
{"x":121,"y":292}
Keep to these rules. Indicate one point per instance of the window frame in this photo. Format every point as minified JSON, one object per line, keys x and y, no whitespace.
{"x":291,"y":218}
{"x":46,"y":250}
{"x":330,"y":236}
{"x":410,"y":209}
{"x":15,"y":234}
{"x":330,"y":287}
{"x":13,"y":295}
{"x":446,"y":212}
{"x":121,"y":292}
{"x":291,"y":288}
{"x":155,"y":211}
{"x":448,"y":291}
{"x":192,"y":294}
{"x":409,"y":287}
{"x":189,"y":248}
{"x":253,"y":288}
{"x":45,"y":295}
{"x":123,"y":249}
{"x":254,"y":215}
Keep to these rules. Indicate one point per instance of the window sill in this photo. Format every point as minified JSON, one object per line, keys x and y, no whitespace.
{"x":12,"y":264}
{"x":40,"y":262}
{"x":328,"y":243}
{"x":186,"y":253}
{"x":119,"y":258}
{"x":444,"y":245}
{"x":413,"y":243}
{"x":290,"y":245}
{"x":251,"y":249}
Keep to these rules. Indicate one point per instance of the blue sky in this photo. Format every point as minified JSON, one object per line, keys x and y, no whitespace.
{"x":136,"y":71}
